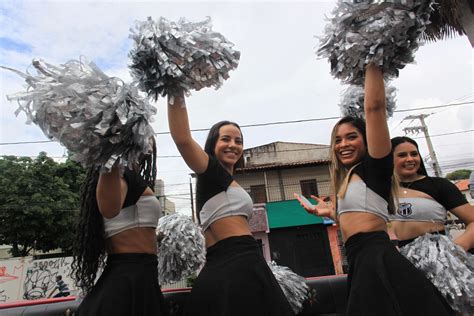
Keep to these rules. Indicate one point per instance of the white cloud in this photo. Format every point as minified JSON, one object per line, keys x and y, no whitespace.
{"x":279,"y":77}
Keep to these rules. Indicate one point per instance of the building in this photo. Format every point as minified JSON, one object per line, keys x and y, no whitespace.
{"x":166,"y":204}
{"x":272,"y":173}
{"x":463,"y":186}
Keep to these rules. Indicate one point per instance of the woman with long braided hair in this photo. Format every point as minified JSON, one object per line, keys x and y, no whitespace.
{"x":116,"y":232}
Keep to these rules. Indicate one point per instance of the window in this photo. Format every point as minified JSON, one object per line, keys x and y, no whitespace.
{"x":309,"y":187}
{"x":258,"y":193}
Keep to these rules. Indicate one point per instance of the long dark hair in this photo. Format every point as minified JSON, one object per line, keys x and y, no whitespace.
{"x":213,"y":136}
{"x":89,"y":242}
{"x":403,"y":139}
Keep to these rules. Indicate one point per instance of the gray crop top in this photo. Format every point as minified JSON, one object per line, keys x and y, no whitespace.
{"x":359,"y":198}
{"x":144,"y":213}
{"x":371,"y":194}
{"x":419,"y":209}
{"x":216,"y":198}
{"x":137,"y":210}
{"x":234,"y":201}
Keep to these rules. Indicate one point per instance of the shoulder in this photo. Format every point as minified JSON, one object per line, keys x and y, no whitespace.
{"x":214,"y":168}
{"x":441,"y":183}
{"x":214,"y":175}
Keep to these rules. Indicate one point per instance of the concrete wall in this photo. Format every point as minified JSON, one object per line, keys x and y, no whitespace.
{"x":281,"y":184}
{"x":282,"y":152}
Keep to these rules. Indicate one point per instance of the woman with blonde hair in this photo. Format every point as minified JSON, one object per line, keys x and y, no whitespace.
{"x":380,"y":280}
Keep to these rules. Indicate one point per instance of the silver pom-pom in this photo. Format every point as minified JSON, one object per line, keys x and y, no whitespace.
{"x":96,"y":117}
{"x":170,"y":57}
{"x":385,"y":33}
{"x":293,"y":285}
{"x":181,"y":248}
{"x":352,"y":103}
{"x":448,"y":266}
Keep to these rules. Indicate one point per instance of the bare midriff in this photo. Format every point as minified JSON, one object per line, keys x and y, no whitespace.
{"x":355,"y":222}
{"x":134,"y":240}
{"x":409,"y":230}
{"x":226,"y":227}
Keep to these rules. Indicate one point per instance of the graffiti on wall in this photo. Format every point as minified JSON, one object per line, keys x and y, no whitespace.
{"x":11,"y":274}
{"x":25,"y":278}
{"x":40,"y":276}
{"x":3,"y":296}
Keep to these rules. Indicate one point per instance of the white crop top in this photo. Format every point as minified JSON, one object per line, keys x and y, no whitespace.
{"x":234,"y":201}
{"x":144,"y":213}
{"x":216,"y":198}
{"x":419,"y":209}
{"x":360,"y":198}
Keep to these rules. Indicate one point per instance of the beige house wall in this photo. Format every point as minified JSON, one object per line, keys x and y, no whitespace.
{"x":281,"y":184}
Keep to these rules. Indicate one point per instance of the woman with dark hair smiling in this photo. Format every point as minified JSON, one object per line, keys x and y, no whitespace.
{"x":424,"y":200}
{"x":235,"y":279}
{"x":419,"y":224}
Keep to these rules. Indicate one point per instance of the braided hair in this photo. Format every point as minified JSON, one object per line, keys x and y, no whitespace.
{"x":89,"y":242}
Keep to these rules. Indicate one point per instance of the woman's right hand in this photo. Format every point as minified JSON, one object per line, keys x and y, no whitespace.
{"x":322,"y":209}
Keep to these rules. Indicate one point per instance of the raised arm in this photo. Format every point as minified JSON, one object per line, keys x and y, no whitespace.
{"x":378,"y":136}
{"x":194,"y":156}
{"x":110,"y":193}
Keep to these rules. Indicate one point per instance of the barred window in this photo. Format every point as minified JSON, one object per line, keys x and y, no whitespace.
{"x":309,"y":187}
{"x":258,"y":193}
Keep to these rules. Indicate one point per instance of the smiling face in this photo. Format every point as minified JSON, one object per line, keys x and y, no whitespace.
{"x":406,"y":159}
{"x":229,"y":146}
{"x":349,"y":146}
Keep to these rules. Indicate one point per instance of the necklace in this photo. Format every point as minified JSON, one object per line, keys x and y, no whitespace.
{"x":405,"y":188}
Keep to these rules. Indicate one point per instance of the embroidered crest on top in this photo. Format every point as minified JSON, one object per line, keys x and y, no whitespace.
{"x":405,"y":209}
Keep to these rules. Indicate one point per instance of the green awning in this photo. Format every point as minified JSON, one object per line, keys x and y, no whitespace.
{"x":290,"y":213}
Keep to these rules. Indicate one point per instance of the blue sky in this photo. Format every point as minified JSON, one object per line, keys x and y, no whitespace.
{"x":279,"y":77}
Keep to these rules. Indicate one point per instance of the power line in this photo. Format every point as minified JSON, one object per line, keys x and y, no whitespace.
{"x":263,"y":124}
{"x":444,"y":134}
{"x":434,"y":107}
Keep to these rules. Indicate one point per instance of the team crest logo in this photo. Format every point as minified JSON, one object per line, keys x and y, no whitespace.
{"x":404,"y":209}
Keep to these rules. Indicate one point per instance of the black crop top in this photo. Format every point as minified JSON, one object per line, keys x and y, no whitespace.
{"x":440,"y":189}
{"x":211,"y":182}
{"x":370,"y":194}
{"x":377,"y":174}
{"x":136,"y":187}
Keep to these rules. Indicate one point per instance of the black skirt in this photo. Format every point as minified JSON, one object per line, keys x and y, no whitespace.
{"x":381,"y":281}
{"x":127,"y":287}
{"x":236,"y":280}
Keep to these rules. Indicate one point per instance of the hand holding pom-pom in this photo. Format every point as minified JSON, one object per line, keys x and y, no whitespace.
{"x":170,"y":57}
{"x":181,"y":248}
{"x":96,"y":117}
{"x":385,"y":33}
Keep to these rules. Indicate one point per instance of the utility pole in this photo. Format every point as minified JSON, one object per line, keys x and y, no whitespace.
{"x":423,"y":128}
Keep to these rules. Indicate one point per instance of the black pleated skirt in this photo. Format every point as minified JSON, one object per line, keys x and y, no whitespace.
{"x":236,"y":281}
{"x":381,"y":281}
{"x":127,"y":287}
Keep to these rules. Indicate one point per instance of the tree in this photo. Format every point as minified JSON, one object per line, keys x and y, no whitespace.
{"x":458,"y":174}
{"x":39,"y":201}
